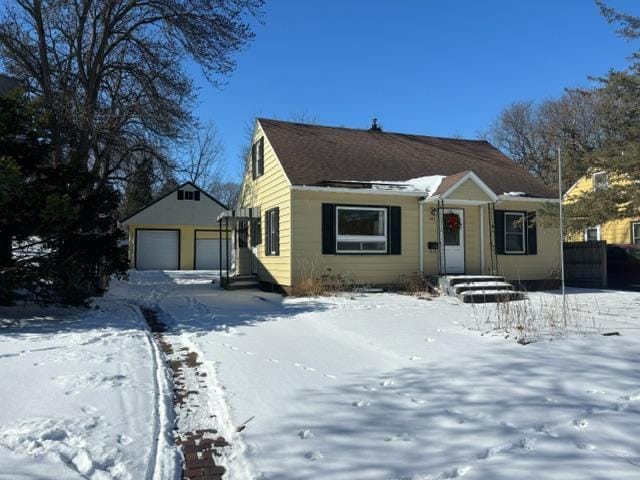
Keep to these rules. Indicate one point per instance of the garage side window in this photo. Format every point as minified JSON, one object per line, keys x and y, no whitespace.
{"x":635,"y":231}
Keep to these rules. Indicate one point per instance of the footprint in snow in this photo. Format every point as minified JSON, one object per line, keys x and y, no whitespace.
{"x":274,"y":360}
{"x":457,"y":472}
{"x":387,"y":382}
{"x":415,"y":357}
{"x":404,"y":437}
{"x":314,"y":456}
{"x":429,"y":340}
{"x":89,"y":410}
{"x":329,"y":376}
{"x":124,"y":440}
{"x":631,"y":398}
{"x":249,"y":353}
{"x":304,"y":434}
{"x":371,"y":389}
{"x":419,"y":401}
{"x":585,"y":446}
{"x":230,"y":346}
{"x":298,"y":365}
{"x":580,"y":423}
{"x":310,"y":369}
{"x":361,"y":403}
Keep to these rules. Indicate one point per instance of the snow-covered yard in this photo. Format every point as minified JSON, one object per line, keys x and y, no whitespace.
{"x":374,"y":386}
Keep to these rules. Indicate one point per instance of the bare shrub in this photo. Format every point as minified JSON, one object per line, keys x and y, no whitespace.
{"x":529,"y":320}
{"x":417,"y":284}
{"x":313,"y":281}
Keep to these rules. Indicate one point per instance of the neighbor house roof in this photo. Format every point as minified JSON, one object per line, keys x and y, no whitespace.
{"x":7,"y":84}
{"x":319,"y":155}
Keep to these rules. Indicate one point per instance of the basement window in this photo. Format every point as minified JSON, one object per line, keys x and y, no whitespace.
{"x":361,"y":230}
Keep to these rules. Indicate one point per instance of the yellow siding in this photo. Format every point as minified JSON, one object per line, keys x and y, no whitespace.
{"x":544,"y":265}
{"x":270,"y":190}
{"x":615,"y":231}
{"x":188,"y":234}
{"x":469,"y":190}
{"x":370,"y":269}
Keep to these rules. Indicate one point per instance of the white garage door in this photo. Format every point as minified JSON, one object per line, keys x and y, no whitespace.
{"x":208,"y":253}
{"x":157,"y":249}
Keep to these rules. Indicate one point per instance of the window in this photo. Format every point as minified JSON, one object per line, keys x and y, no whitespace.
{"x":257,"y":158}
{"x":514,"y":231}
{"x":600,"y":181}
{"x":635,"y":232}
{"x":592,"y":234}
{"x":273,"y":232}
{"x":361,"y":230}
{"x":189,"y":195}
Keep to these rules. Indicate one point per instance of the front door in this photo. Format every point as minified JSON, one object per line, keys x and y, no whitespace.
{"x":452,"y":240}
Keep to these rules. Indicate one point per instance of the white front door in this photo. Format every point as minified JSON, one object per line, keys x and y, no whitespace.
{"x":452,"y":240}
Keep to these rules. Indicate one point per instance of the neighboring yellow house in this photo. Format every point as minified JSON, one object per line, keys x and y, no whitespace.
{"x":375,"y":206}
{"x":625,"y":231}
{"x":178,"y":231}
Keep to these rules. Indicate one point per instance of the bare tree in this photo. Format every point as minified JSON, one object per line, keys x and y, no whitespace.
{"x":226,"y":192}
{"x":201,"y":163}
{"x":110,"y":74}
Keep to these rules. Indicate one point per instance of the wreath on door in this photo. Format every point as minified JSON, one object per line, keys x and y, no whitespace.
{"x":453,"y":222}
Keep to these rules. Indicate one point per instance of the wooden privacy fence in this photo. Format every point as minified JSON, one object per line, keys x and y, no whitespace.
{"x":585,"y":264}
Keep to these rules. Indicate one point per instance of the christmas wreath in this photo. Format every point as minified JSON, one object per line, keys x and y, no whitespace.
{"x":453,"y":222}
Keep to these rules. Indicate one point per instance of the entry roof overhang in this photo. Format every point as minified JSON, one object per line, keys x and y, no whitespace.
{"x":239,"y":214}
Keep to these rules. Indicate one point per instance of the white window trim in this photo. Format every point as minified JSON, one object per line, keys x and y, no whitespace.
{"x":633,"y":236}
{"x":598,"y":237}
{"x":363,"y":238}
{"x":272,"y":232}
{"x":524,"y":232}
{"x":593,"y":179}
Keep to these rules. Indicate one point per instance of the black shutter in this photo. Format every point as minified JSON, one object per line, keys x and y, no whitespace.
{"x":261,"y":156}
{"x":253,"y":161}
{"x":499,"y":231}
{"x":328,"y":228}
{"x":267,"y":229}
{"x":532,"y":234}
{"x":395,"y":229}
{"x":180,"y":195}
{"x":276,"y":240}
{"x":196,"y":196}
{"x":256,"y":234}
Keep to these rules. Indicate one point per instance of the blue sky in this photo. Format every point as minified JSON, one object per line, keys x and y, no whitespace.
{"x":429,"y":67}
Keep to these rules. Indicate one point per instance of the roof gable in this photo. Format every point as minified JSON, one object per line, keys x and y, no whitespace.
{"x":168,"y":210}
{"x":315,"y":155}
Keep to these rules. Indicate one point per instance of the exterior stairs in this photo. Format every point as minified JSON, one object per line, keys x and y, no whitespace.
{"x":240,"y":282}
{"x":479,"y":288}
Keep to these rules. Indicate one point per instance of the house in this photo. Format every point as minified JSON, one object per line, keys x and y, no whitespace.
{"x":625,"y":231}
{"x":376,"y":206}
{"x":178,"y":231}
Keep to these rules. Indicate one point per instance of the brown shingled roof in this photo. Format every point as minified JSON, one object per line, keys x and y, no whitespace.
{"x":313,"y":154}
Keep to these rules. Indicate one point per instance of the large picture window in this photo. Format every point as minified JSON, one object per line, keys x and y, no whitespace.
{"x":514,"y":232}
{"x":361,"y":230}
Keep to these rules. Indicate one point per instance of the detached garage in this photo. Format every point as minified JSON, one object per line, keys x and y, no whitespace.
{"x":178,"y":231}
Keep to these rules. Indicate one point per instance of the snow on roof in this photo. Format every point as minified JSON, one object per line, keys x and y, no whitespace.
{"x":515,"y":194}
{"x":424,"y":185}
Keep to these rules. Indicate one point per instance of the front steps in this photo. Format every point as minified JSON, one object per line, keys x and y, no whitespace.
{"x":479,"y":288}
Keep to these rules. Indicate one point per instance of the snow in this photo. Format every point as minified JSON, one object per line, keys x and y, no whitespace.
{"x":366,"y":386}
{"x":386,"y":386}
{"x":80,"y":395}
{"x":424,"y":185}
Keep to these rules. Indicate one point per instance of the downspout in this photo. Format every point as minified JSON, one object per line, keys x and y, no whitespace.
{"x":482,"y":239}
{"x":421,"y":230}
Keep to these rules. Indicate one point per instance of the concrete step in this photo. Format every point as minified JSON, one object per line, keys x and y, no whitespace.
{"x":453,"y":280}
{"x":242,"y":284}
{"x":490,"y":296}
{"x":464,"y":287}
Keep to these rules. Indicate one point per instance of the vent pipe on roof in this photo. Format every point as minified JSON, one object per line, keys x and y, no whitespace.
{"x":375,"y":127}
